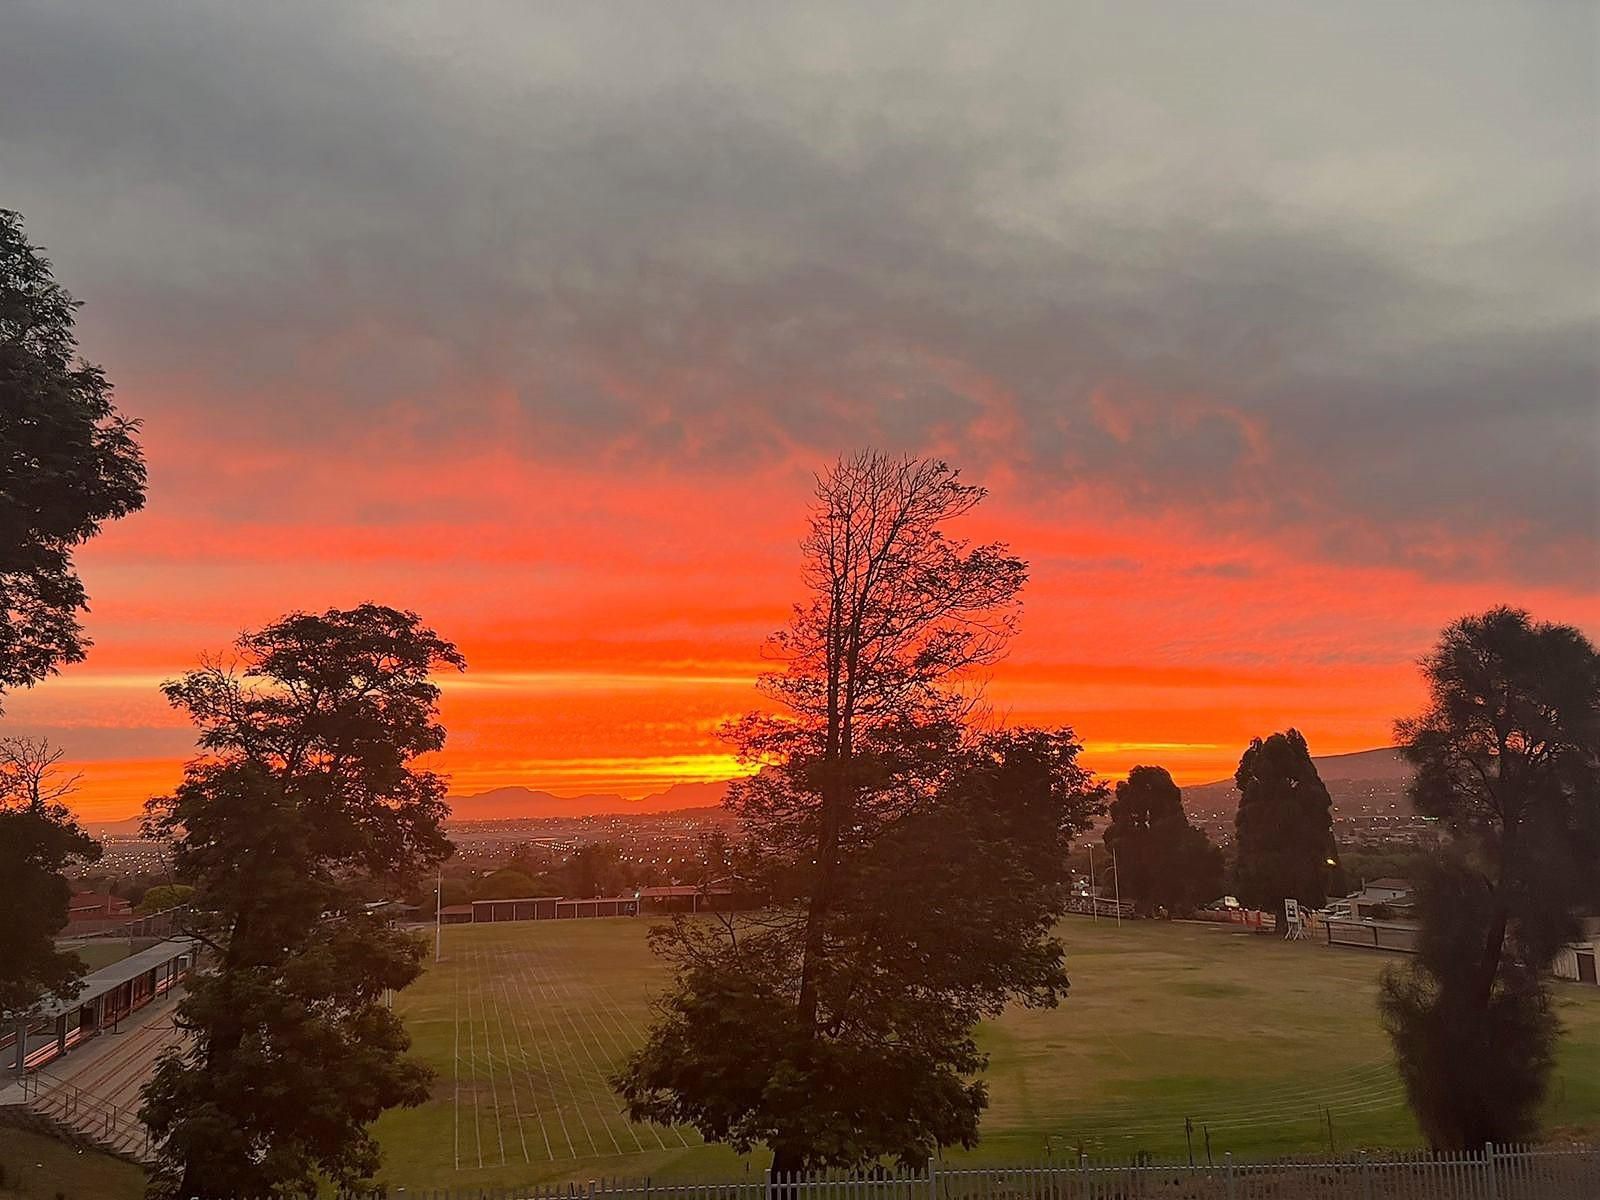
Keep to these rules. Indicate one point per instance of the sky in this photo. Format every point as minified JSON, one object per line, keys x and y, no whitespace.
{"x":1271,"y":328}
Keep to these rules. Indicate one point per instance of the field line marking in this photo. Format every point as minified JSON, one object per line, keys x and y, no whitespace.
{"x":555,"y":1044}
{"x":527,"y":1071}
{"x":549,"y":1079}
{"x":472,"y":1052}
{"x":622,"y":1023}
{"x":600,"y":1071}
{"x":558,"y":1009}
{"x":511,"y":1079}
{"x":616,"y":1036}
{"x":488,"y":1058}
{"x":455,"y":988}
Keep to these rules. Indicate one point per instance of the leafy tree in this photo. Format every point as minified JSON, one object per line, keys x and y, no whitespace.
{"x":39,"y":838}
{"x":1507,"y":757}
{"x":1164,"y":862}
{"x":507,"y":884}
{"x":164,"y":896}
{"x":940,"y":919}
{"x":914,"y":868}
{"x":594,"y":870}
{"x":1284,"y":826}
{"x":306,"y":800}
{"x":70,"y":462}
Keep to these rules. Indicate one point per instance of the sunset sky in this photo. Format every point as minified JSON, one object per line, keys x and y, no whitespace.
{"x":1272,"y":329}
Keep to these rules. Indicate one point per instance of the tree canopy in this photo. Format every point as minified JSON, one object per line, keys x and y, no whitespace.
{"x":1162,"y":861}
{"x":1284,"y":825}
{"x":69,"y":462}
{"x":38,"y":839}
{"x":1507,"y":757}
{"x":914,"y":865}
{"x":307,"y":797}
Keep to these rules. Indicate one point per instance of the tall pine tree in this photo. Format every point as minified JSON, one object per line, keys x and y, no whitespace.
{"x":1284,"y":826}
{"x":1507,"y":758}
{"x":1162,"y":861}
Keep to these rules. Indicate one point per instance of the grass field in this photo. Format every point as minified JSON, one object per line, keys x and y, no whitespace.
{"x":36,"y":1167}
{"x":1272,"y":1047}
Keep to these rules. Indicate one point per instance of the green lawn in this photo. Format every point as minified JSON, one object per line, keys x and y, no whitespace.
{"x":95,"y":953}
{"x":1265,"y":1044}
{"x":36,"y":1167}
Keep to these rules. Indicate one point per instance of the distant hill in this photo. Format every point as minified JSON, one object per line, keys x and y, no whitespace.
{"x":1383,"y":763}
{"x":128,"y":827}
{"x":1341,"y":772}
{"x":506,"y":803}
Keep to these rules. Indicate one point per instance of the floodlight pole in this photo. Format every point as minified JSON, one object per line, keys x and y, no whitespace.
{"x":438,"y":917}
{"x":1116,"y":877}
{"x":1094,"y":898}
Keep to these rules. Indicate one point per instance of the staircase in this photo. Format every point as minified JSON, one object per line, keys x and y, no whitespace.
{"x":82,"y":1115}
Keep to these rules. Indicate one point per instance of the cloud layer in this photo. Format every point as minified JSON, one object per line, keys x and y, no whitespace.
{"x":520,"y":295}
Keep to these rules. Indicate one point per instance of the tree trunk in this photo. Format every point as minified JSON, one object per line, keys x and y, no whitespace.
{"x":1489,"y":965}
{"x":817,"y":910}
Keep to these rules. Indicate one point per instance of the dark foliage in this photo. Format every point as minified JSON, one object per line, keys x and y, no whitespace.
{"x":1508,"y":759}
{"x":307,"y":802}
{"x":1474,"y":1067}
{"x":69,"y":462}
{"x":1284,"y":826}
{"x":941,"y":919}
{"x":913,"y":871}
{"x":1162,"y":861}
{"x":39,"y":838}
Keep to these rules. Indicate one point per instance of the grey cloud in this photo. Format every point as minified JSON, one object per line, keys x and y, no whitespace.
{"x":1268,"y":264}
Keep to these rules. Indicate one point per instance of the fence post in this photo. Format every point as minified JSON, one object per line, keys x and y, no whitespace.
{"x":1366,"y":1176}
{"x":1227,"y":1174}
{"x":933,"y":1180}
{"x":1491,"y":1186}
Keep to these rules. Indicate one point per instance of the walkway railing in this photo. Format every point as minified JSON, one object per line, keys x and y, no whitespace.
{"x":99,"y":1119}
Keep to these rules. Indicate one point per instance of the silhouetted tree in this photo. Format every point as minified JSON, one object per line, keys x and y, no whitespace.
{"x":594,"y":870}
{"x":39,"y":838}
{"x":1507,"y":758}
{"x":943,"y":914}
{"x":306,"y":800}
{"x":68,"y":463}
{"x":164,"y":896}
{"x":1163,"y":861}
{"x":914,"y":871}
{"x":1284,"y":826}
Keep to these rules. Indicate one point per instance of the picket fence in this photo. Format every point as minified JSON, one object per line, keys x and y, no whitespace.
{"x":1494,"y":1173}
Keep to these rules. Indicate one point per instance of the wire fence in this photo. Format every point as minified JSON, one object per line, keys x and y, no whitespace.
{"x":1493,"y":1173}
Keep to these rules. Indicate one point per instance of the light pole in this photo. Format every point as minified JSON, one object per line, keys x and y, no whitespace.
{"x":438,"y":917}
{"x":1116,"y":877}
{"x":1094,"y":898}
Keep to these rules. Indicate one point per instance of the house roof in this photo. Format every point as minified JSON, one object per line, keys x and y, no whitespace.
{"x":456,"y":908}
{"x":517,"y":900}
{"x":598,"y":899}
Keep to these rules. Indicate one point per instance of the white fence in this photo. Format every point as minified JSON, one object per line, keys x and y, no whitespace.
{"x":1374,"y":935}
{"x":1099,"y":906}
{"x":1494,"y":1173}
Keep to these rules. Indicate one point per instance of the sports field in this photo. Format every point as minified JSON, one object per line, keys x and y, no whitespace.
{"x":1267,"y":1047}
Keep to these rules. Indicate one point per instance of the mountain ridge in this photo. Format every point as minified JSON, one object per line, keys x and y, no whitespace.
{"x":506,"y":803}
